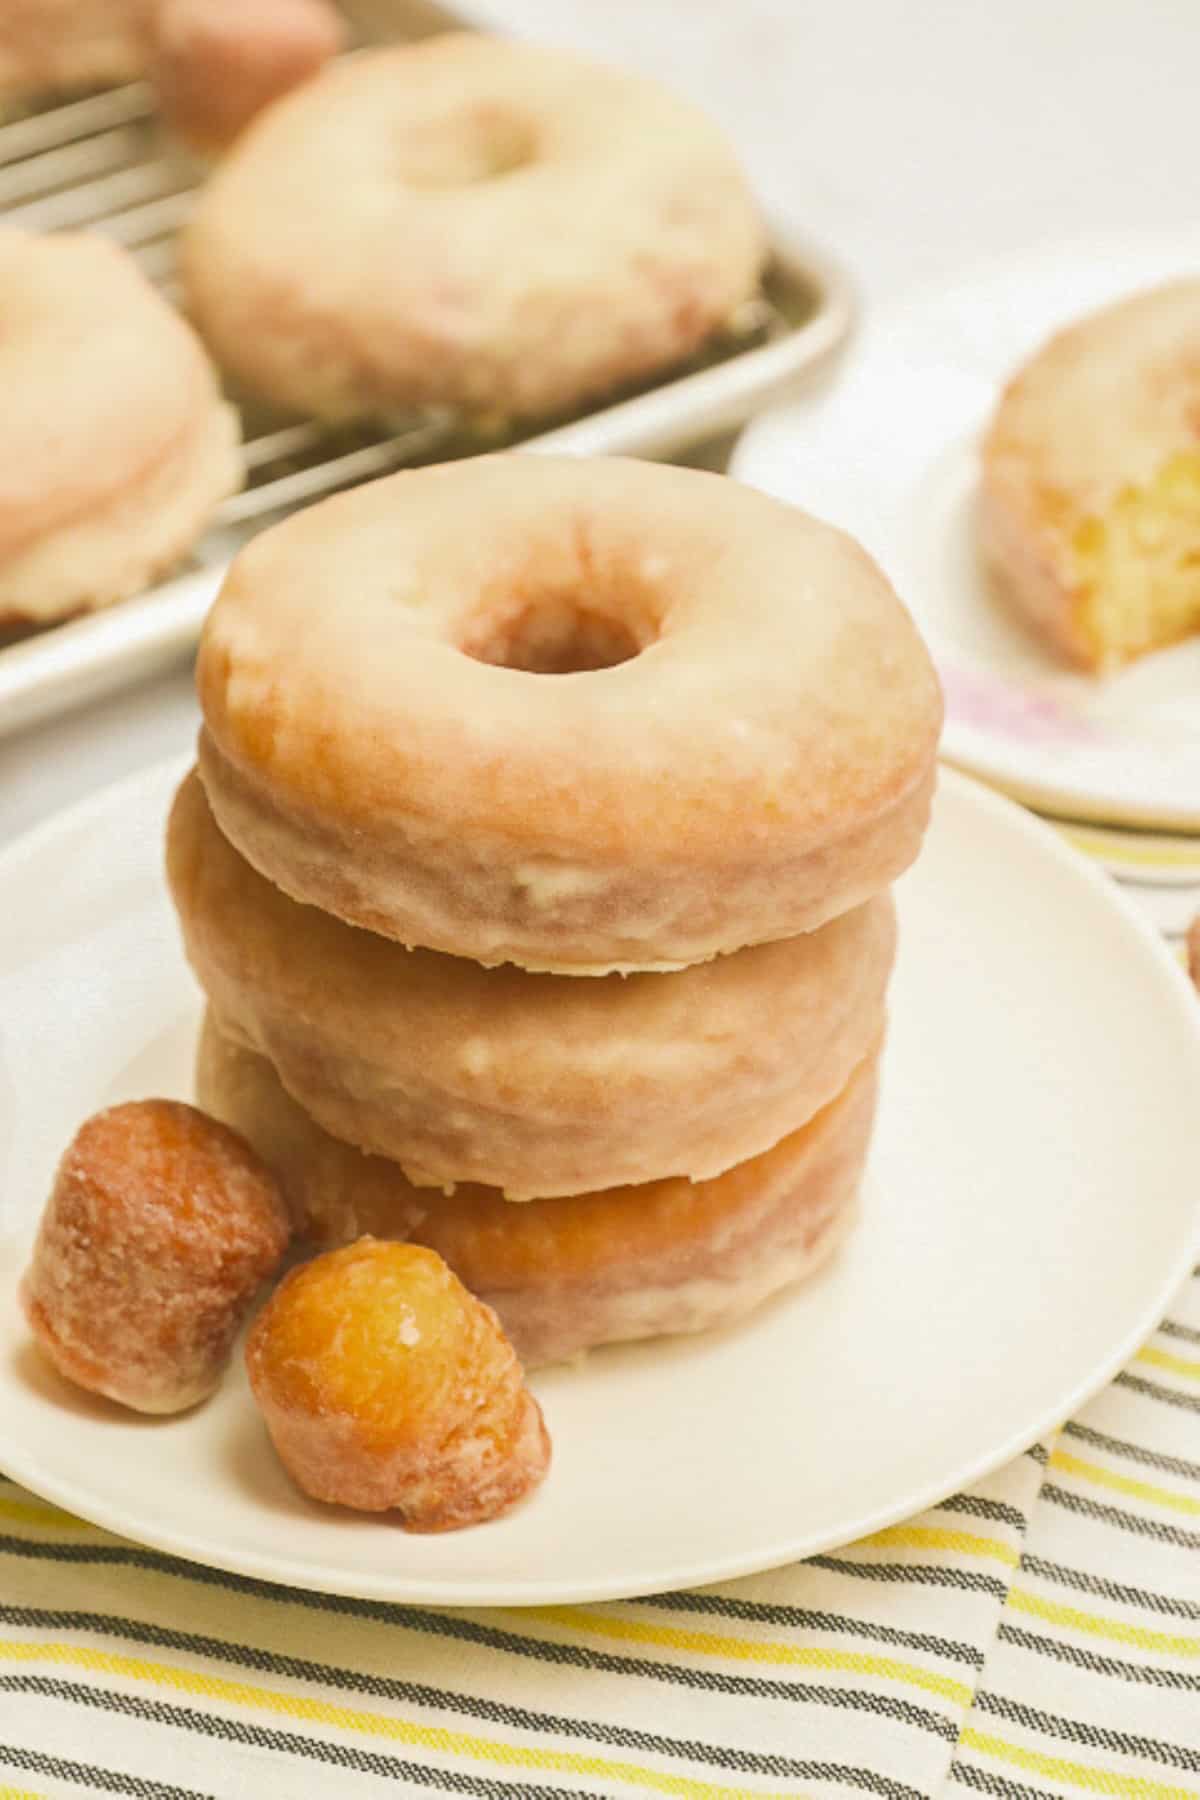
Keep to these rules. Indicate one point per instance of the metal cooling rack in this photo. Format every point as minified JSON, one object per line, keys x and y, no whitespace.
{"x":101,"y":163}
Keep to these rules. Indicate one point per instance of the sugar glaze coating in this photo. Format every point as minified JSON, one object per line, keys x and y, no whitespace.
{"x":161,"y":1228}
{"x":387,"y":1387}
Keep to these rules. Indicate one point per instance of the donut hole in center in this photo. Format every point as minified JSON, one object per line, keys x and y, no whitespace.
{"x":463,"y":151}
{"x":556,"y":635}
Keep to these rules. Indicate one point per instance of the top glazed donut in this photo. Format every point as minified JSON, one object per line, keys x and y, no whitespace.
{"x":468,"y":222}
{"x":579,"y":715}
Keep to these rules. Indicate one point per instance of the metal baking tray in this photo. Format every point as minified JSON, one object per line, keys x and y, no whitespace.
{"x":101,"y":163}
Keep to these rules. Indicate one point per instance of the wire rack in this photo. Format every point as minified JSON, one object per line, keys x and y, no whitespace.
{"x":101,"y":164}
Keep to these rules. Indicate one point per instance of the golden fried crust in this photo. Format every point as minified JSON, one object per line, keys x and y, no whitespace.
{"x":218,"y":63}
{"x":161,"y":1228}
{"x":552,"y":228}
{"x":142,"y":448}
{"x":566,"y":1275}
{"x":386,"y":1386}
{"x":1099,"y":410}
{"x":528,"y":1082}
{"x":761,"y":761}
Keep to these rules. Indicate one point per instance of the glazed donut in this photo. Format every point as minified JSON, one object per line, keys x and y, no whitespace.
{"x":115,"y":445}
{"x":218,"y":63}
{"x":50,"y":45}
{"x":1090,"y":485}
{"x":745,"y":750}
{"x":527,"y":1082}
{"x":386,"y":1386}
{"x":567,"y":1275}
{"x":470,"y":223}
{"x":161,"y":1227}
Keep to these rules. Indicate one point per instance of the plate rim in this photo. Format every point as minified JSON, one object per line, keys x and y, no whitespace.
{"x":964,"y":746}
{"x":407,"y":1589}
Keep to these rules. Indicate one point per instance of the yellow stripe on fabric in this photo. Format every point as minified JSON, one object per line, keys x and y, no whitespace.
{"x":1073,"y":1774}
{"x":1097,"y":1625}
{"x":1155,"y":855}
{"x":737,"y":1649}
{"x":1124,"y":1484}
{"x":35,"y":1512}
{"x":346,"y":1718}
{"x":938,"y":1537}
{"x":1165,"y":1359}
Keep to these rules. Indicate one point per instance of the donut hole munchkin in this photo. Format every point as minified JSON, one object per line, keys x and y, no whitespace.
{"x":555,"y":635}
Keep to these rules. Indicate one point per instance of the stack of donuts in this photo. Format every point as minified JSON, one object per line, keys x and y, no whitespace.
{"x":536,"y":871}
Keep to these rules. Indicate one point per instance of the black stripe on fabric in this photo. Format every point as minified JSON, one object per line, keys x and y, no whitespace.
{"x":982,"y":1781}
{"x":91,"y":1775}
{"x":371,"y":1762}
{"x":1190,"y":1334}
{"x":1084,"y":1582}
{"x":979,"y":1508}
{"x":1124,"y":1521}
{"x":1150,"y":1459}
{"x":804,"y":1618}
{"x":562,"y":1655}
{"x":869,"y":1780}
{"x":1139,"y":1674}
{"x":1092,"y":1737}
{"x":967,"y":1581}
{"x":408,"y":1618}
{"x":383,"y":1687}
{"x":1154,"y":1390}
{"x":238,"y":1731}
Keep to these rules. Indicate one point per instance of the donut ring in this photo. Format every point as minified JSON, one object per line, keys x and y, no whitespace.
{"x":471,"y":223}
{"x":760,"y":761}
{"x":142,"y":447}
{"x":49,"y":45}
{"x":527,"y":1082}
{"x":1090,"y":482}
{"x":567,"y":1275}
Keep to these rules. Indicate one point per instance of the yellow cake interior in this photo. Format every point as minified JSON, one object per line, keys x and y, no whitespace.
{"x":1139,"y":564}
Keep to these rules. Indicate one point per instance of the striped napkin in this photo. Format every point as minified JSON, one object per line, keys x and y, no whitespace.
{"x":124,"y":1671}
{"x":1037,"y":1635}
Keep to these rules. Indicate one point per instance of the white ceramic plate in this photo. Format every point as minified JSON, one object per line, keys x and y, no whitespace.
{"x":1030,"y":1208}
{"x":890,"y":454}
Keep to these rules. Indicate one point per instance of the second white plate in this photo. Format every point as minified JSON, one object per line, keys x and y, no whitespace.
{"x":890,"y":455}
{"x":1030,"y":1208}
